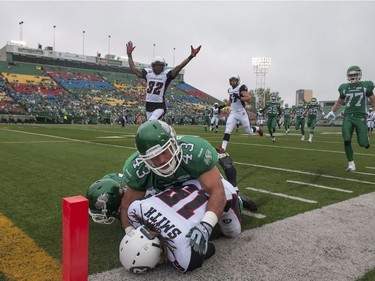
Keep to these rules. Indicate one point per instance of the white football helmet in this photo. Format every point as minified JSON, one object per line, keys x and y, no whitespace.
{"x":234,"y":77}
{"x":140,"y":250}
{"x":158,"y":63}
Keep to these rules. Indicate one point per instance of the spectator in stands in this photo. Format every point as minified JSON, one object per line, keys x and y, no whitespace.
{"x":238,"y":96}
{"x":158,"y":77}
{"x":355,"y":95}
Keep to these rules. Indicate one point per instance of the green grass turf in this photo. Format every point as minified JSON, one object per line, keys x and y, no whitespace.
{"x":41,"y":164}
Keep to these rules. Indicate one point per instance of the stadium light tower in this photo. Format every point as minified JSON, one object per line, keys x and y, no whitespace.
{"x":260,"y":67}
{"x":153,"y":51}
{"x":21,"y":30}
{"x":174,"y":50}
{"x":109,"y":44}
{"x":54,"y":28}
{"x":83,"y":42}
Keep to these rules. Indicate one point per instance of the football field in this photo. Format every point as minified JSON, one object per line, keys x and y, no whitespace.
{"x":41,"y":164}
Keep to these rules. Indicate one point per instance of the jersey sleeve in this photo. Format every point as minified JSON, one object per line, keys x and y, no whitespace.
{"x":136,"y":173}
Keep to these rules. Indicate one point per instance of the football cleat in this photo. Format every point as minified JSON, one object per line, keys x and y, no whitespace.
{"x":351,"y":168}
{"x":302,"y":138}
{"x":248,"y":203}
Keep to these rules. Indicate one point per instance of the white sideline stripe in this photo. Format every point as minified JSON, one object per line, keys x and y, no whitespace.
{"x":370,"y":168}
{"x":305,"y":173}
{"x":69,"y":139}
{"x":320,"y":186}
{"x":254,"y":215}
{"x":283,"y":195}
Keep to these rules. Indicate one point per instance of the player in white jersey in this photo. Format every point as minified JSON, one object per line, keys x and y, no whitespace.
{"x":238,"y":96}
{"x":370,"y":120}
{"x":174,"y":212}
{"x":215,"y":117}
{"x":260,"y":118}
{"x":158,"y":78}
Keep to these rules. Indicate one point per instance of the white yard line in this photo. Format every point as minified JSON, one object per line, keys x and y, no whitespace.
{"x":305,"y":173}
{"x":320,"y":186}
{"x":282,"y":195}
{"x":254,"y":215}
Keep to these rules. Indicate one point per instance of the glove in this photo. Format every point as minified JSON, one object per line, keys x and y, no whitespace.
{"x":199,"y":236}
{"x":236,"y":96}
{"x":194,"y":52}
{"x":330,"y":114}
{"x":129,"y":47}
{"x":128,"y":229}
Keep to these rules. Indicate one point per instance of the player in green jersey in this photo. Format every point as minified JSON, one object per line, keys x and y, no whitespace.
{"x":355,"y":95}
{"x":163,"y":161}
{"x":312,"y":110}
{"x":299,"y":118}
{"x":207,"y":118}
{"x":286,"y":111}
{"x":272,"y":109}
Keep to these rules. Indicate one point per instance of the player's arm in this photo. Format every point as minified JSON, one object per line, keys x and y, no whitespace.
{"x":130,"y":196}
{"x":372,"y":100}
{"x":129,"y":50}
{"x":212,"y":184}
{"x":176,"y":70}
{"x":245,"y":96}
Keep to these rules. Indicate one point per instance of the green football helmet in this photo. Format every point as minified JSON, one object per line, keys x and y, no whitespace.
{"x":354,"y":74}
{"x":152,"y":139}
{"x":104,"y":197}
{"x":313,"y":101}
{"x":301,"y":102}
{"x":116,"y":177}
{"x":273,"y":98}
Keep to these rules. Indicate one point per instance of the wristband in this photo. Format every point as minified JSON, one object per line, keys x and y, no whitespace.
{"x":190,"y":57}
{"x":210,"y":218}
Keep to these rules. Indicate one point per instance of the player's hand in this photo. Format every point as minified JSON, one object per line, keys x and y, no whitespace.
{"x":236,"y":96}
{"x":199,"y":236}
{"x":194,"y":52}
{"x":330,"y":114}
{"x":128,"y":229}
{"x":129,"y":48}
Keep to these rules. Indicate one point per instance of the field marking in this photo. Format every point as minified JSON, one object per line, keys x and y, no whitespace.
{"x":283,"y":195}
{"x":320,"y":186}
{"x":300,"y":148}
{"x":370,"y":168}
{"x":254,"y":215}
{"x":22,"y":258}
{"x":69,"y":139}
{"x":363,"y":173}
{"x":306,"y":173}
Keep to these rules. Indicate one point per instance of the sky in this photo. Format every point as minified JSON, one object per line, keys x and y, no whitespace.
{"x":311,"y":43}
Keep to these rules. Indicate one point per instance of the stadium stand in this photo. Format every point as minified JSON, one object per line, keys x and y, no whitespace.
{"x":55,"y":93}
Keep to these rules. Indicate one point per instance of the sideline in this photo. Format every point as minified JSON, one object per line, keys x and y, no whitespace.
{"x":323,"y":244}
